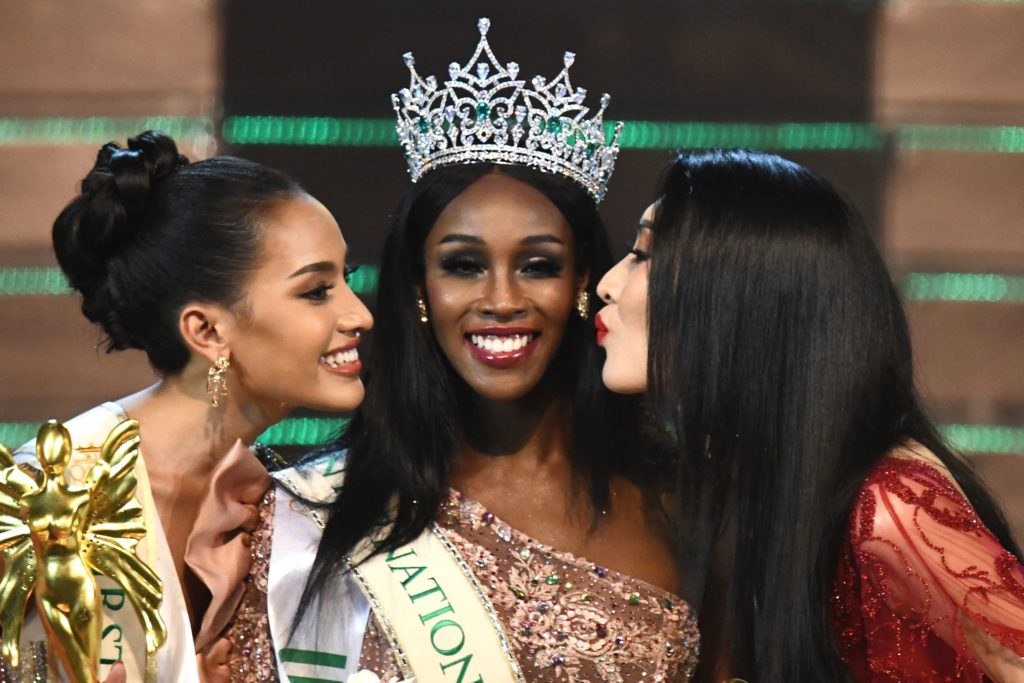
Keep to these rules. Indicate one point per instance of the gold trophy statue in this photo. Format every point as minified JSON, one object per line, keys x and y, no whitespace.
{"x":54,"y":536}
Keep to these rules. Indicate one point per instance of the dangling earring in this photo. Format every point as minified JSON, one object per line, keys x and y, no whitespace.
{"x":583,"y":304}
{"x":217,"y":381}
{"x":424,"y":316}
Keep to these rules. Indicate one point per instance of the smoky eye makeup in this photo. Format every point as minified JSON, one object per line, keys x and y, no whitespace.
{"x":541,"y":266}
{"x":462,"y":264}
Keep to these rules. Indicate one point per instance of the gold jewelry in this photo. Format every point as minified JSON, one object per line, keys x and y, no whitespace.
{"x":583,"y":304}
{"x":217,"y":381}
{"x":424,"y":316}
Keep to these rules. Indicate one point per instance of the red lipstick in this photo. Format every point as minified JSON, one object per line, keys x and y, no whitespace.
{"x":602,"y":331}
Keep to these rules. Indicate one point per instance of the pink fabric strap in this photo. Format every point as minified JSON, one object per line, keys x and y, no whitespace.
{"x":218,"y":548}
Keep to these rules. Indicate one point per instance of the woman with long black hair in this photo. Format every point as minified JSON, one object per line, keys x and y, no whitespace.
{"x":488,"y":526}
{"x":826,"y":530}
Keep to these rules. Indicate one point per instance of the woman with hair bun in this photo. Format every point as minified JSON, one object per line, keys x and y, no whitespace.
{"x":232,"y":280}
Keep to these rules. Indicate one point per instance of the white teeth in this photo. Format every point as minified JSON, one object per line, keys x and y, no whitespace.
{"x":340,"y":358}
{"x":500,"y":344}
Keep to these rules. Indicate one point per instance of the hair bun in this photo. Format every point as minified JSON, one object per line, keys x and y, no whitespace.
{"x":135,"y":171}
{"x":108,"y":214}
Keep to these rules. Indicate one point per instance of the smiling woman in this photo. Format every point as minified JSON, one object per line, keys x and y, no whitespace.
{"x":232,"y":280}
{"x":488,"y":522}
{"x":485,"y":427}
{"x":500,"y":284}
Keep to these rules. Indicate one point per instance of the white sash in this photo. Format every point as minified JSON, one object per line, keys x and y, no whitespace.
{"x":439,"y":623}
{"x":123,"y":635}
{"x":327,"y":644}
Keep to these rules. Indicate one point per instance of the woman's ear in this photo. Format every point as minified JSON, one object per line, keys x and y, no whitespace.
{"x":583,"y":280}
{"x":201,"y":326}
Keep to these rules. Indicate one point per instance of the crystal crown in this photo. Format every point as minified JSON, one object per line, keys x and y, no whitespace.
{"x":484,"y":113}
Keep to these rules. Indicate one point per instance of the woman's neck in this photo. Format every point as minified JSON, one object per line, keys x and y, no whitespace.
{"x":536,"y":424}
{"x":182,"y":433}
{"x":183,"y":440}
{"x":507,"y":441}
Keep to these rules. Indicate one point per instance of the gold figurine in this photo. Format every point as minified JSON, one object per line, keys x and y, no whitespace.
{"x":54,"y":536}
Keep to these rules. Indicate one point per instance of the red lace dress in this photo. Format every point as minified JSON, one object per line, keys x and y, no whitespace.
{"x":924,"y":591}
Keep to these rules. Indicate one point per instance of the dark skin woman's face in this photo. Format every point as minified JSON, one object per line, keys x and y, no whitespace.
{"x":500,"y":284}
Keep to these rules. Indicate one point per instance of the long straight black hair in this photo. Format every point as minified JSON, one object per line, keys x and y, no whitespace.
{"x":780,"y":357}
{"x":402,"y":440}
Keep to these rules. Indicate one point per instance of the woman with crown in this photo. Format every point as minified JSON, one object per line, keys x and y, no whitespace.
{"x":481,"y":522}
{"x":232,"y":280}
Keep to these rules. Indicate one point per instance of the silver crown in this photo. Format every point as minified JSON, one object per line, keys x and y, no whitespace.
{"x":484,"y":114}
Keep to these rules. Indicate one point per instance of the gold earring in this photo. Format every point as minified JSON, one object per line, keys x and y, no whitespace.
{"x":217,"y":381}
{"x":424,"y":316}
{"x":583,"y":304}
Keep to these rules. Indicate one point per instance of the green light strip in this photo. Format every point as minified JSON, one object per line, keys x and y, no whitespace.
{"x":320,"y":131}
{"x":282,"y":130}
{"x":32,"y":282}
{"x":349,"y":132}
{"x":997,"y":139}
{"x":966,"y":287}
{"x":783,"y":136}
{"x":316,"y":431}
{"x":98,"y":129}
{"x":827,"y":136}
{"x":50,"y":281}
{"x":296,"y":431}
{"x":985,"y":438}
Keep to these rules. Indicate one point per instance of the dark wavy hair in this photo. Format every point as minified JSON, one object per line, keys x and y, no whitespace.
{"x":151,"y":232}
{"x":780,"y":356}
{"x":402,"y":440}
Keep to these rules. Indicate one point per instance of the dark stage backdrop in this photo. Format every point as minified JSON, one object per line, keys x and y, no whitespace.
{"x":913,"y":108}
{"x":659,"y":60}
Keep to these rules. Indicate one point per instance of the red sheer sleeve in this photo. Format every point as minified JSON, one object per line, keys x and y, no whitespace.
{"x":924,"y":591}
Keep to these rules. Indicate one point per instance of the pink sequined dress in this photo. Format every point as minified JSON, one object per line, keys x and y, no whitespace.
{"x":229,"y":552}
{"x":924,"y":591}
{"x":567,"y":619}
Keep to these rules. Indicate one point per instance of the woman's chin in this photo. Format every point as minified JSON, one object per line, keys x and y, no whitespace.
{"x":621,"y":382}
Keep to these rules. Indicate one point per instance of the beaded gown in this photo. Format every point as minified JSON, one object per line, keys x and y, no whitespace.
{"x":566,"y":619}
{"x":924,"y":591}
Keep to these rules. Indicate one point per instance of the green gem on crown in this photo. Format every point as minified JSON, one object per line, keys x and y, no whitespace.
{"x":424,"y":126}
{"x":482,"y":110}
{"x":554,"y":125}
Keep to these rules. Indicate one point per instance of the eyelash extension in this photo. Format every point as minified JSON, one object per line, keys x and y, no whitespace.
{"x":461,"y":266}
{"x":543,"y":267}
{"x":350,"y":271}
{"x":318,"y":293}
{"x":639,"y":254}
